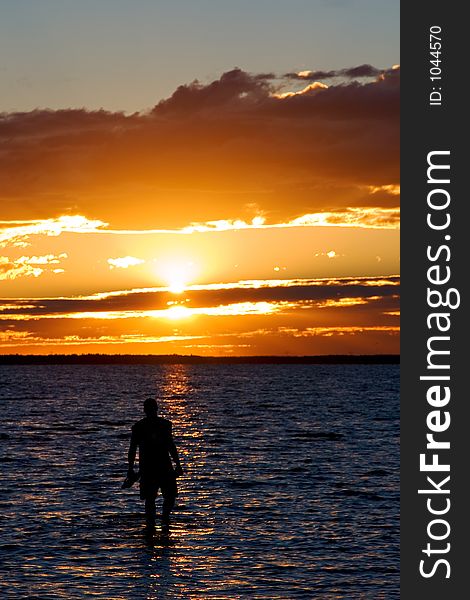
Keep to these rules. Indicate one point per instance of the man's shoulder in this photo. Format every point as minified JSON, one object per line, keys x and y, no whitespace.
{"x":145,"y":423}
{"x":138,"y":425}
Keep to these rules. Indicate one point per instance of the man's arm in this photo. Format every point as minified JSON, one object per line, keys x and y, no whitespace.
{"x":174,"y":453}
{"x":132,"y":451}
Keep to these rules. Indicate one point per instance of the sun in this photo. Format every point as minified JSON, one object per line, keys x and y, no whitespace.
{"x":178,"y":274}
{"x":176,"y":285}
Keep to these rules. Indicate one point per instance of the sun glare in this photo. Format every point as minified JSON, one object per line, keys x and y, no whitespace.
{"x":177,"y":274}
{"x":178,"y":312}
{"x":176,"y":285}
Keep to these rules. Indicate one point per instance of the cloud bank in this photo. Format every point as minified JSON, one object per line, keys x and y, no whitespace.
{"x":240,"y":146}
{"x":248,"y":317}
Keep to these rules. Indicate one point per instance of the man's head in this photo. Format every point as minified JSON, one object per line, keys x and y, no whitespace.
{"x":150,"y":407}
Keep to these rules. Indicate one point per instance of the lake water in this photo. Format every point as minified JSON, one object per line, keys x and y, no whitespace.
{"x":291,"y":484}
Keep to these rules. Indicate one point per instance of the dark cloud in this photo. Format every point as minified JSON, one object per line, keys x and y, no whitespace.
{"x":311,"y":320}
{"x":303,"y":292}
{"x":359,"y":72}
{"x":211,"y":150}
{"x":235,"y":89}
{"x":311,"y":75}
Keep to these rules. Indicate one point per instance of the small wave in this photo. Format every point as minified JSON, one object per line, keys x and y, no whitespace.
{"x":62,"y":427}
{"x":248,"y":484}
{"x":360,"y":494}
{"x":319,"y":435}
{"x":377,"y":473}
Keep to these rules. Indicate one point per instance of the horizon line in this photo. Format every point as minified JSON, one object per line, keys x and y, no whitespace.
{"x":96,"y":358}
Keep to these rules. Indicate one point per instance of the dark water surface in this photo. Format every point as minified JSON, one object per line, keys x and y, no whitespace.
{"x":291,"y":487}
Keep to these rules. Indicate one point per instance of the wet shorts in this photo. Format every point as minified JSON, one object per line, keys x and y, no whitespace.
{"x":152,"y":483}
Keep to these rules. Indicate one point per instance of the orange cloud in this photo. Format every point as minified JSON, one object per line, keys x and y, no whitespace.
{"x":29,"y":266}
{"x":373,"y":218}
{"x":312,"y":87}
{"x":253,"y":317}
{"x":313,"y":149}
{"x":21,"y":234}
{"x":124,"y":262}
{"x":18,"y":233}
{"x":208,"y":295}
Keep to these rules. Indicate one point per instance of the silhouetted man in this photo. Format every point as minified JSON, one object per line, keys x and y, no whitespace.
{"x":153,"y":436}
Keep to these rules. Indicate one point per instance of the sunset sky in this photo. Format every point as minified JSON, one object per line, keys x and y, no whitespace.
{"x":211,"y":178}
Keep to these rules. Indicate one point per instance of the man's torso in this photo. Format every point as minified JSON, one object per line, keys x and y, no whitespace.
{"x":153,"y":436}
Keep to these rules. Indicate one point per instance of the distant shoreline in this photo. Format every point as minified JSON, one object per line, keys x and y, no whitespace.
{"x":172,"y":359}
